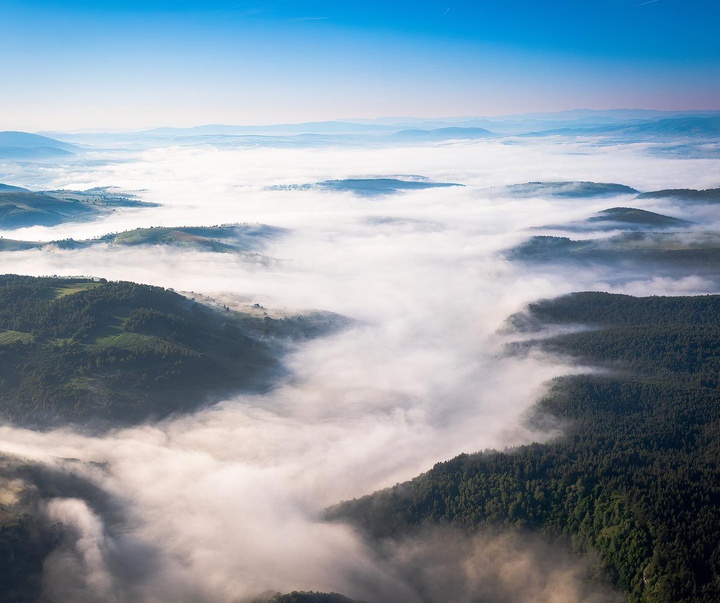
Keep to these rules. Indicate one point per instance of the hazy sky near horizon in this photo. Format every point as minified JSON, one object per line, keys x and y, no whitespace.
{"x":131,"y":64}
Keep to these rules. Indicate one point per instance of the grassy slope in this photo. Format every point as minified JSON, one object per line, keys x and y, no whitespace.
{"x":79,"y":351}
{"x":230,"y":238}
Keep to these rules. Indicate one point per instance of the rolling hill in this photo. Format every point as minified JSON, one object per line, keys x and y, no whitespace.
{"x":244,"y":239}
{"x":22,"y":145}
{"x":622,"y":218}
{"x":678,"y":251}
{"x":571,"y":189}
{"x":369,"y":187}
{"x":106,"y":353}
{"x":689,"y":195}
{"x":20,"y":208}
{"x":629,"y":216}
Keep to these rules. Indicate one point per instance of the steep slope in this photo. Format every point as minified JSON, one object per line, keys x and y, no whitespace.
{"x":635,"y":474}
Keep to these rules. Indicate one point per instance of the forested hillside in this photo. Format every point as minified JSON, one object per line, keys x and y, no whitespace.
{"x":245,"y":239}
{"x":635,"y":474}
{"x":671,"y":252}
{"x":75,"y":350}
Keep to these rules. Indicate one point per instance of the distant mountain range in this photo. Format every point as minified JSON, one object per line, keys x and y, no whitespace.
{"x":440,"y":134}
{"x":319,"y":127}
{"x":558,"y":116}
{"x":21,"y":145}
{"x":626,"y":122}
{"x":683,"y":127}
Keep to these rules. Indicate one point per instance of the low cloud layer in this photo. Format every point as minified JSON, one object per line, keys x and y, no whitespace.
{"x":225,"y":503}
{"x":443,"y":565}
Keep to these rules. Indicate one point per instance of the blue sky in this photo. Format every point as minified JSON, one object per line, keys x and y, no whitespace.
{"x":127,"y":64}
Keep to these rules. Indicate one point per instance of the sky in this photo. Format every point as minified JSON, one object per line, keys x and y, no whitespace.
{"x":73,"y":64}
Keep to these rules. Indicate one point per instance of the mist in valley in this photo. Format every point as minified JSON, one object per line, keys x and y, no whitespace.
{"x":228,"y":502}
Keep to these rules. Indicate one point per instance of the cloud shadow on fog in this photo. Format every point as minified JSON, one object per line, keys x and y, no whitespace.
{"x":57,"y":507}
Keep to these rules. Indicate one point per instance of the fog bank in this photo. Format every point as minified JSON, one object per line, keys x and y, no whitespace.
{"x":226,"y":503}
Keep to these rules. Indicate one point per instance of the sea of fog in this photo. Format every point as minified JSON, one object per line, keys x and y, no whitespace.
{"x":226,"y":503}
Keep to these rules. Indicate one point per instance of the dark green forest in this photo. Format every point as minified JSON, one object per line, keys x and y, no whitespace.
{"x":699,"y":252}
{"x":637,"y":217}
{"x":24,"y":544}
{"x":635,"y":475}
{"x":102,"y":354}
{"x":711,"y":195}
{"x":77,"y":350}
